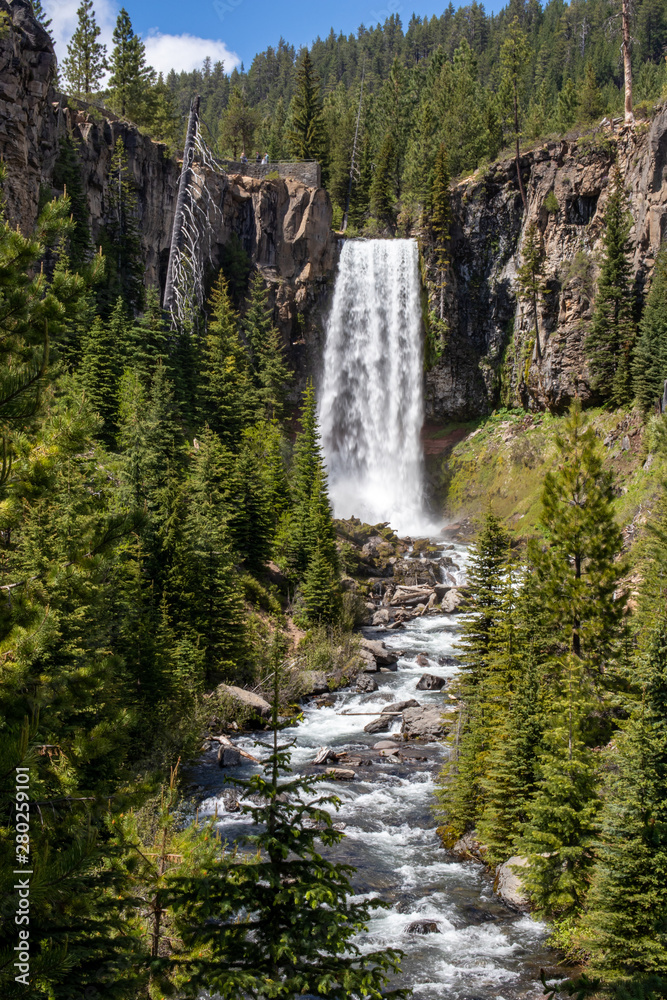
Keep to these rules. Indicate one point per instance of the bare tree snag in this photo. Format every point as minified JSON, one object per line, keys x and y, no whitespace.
{"x":627,"y":61}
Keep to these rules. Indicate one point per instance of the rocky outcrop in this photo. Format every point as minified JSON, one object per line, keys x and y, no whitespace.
{"x":283,"y":224}
{"x":491,"y":356}
{"x":508,"y":884}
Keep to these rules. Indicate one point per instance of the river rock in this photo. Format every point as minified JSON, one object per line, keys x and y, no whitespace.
{"x":248,"y":699}
{"x":399,"y":706}
{"x":379,"y":725}
{"x":228,"y":757}
{"x":385,"y":745}
{"x":381,"y":617}
{"x":366,"y":683}
{"x":468,"y":846}
{"x":508,"y":883}
{"x":430,"y":682}
{"x":425,"y":722}
{"x":370,"y":663}
{"x":314,"y":682}
{"x":383,"y":657}
{"x":422,"y":927}
{"x":451,"y":601}
{"x":340,"y":773}
{"x":421,"y":660}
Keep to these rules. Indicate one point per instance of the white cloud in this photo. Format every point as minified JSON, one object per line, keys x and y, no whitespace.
{"x":163,"y":52}
{"x":187,"y":52}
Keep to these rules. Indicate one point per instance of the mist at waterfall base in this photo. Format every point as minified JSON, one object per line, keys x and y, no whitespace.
{"x":371,"y":397}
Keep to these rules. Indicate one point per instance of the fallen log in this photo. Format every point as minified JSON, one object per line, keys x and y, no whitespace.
{"x":226,"y":742}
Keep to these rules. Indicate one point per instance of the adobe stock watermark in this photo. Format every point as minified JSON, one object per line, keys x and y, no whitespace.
{"x":224,"y":7}
{"x":393,"y":7}
{"x":22,"y":885}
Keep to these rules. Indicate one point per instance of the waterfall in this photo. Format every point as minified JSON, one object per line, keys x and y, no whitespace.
{"x":371,"y":401}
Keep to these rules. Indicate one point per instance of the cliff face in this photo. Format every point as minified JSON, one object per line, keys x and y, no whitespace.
{"x":284,"y":224}
{"x":491,"y":357}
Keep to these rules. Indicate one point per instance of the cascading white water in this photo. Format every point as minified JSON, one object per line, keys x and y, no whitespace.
{"x":371,"y":402}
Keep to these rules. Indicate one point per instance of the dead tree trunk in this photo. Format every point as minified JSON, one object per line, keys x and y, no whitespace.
{"x":627,"y":62}
{"x":353,"y":165}
{"x":188,"y":158}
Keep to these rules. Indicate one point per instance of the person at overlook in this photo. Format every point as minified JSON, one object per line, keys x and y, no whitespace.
{"x":244,"y":158}
{"x":258,"y":157}
{"x":265,"y":160}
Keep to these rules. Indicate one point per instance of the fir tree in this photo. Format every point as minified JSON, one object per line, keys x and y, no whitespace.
{"x":120,"y":237}
{"x":513,"y":58}
{"x":307,"y":137}
{"x":649,"y":364}
{"x":530,"y":279}
{"x":271,"y":374}
{"x":626,"y":924}
{"x":610,"y":341}
{"x":441,"y":219}
{"x":130,"y":76}
{"x":590,"y":96}
{"x":67,"y":175}
{"x":85,"y":63}
{"x":99,"y":371}
{"x":239,"y":124}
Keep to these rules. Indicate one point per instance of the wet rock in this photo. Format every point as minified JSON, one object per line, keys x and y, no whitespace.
{"x":451,"y":601}
{"x":381,"y":617}
{"x":475,"y":915}
{"x":385,"y":745}
{"x":383,"y":657}
{"x":366,"y":683}
{"x":421,"y":660}
{"x":340,"y":773}
{"x":448,"y":661}
{"x":424,"y":723}
{"x":508,"y":884}
{"x":228,"y":757}
{"x":370,"y":663}
{"x":325,"y":755}
{"x":314,"y":682}
{"x":247,"y":699}
{"x":423,"y":927}
{"x":230,"y":802}
{"x":430,"y":682}
{"x":468,"y":846}
{"x":399,"y":706}
{"x":379,"y":725}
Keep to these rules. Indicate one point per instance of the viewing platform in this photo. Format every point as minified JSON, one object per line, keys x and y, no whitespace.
{"x":306,"y":171}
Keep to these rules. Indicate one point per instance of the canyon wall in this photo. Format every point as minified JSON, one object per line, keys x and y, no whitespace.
{"x":283,"y":223}
{"x":490,"y":357}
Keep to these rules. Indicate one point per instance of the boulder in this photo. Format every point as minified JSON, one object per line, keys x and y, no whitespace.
{"x":381,"y":617}
{"x":421,"y":660}
{"x":370,"y":663}
{"x":425,"y":722}
{"x":314,"y":682}
{"x":248,"y":699}
{"x":508,"y":884}
{"x":228,"y":757}
{"x":366,"y":683}
{"x":383,"y":657}
{"x":380,"y":724}
{"x":385,"y":745}
{"x":468,"y":846}
{"x":430,"y":682}
{"x":422,"y":927}
{"x":399,"y":706}
{"x":340,"y":773}
{"x":451,"y":601}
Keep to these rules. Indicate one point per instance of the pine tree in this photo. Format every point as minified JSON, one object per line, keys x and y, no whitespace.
{"x":626,"y":924}
{"x":228,"y":398}
{"x":130,"y":77}
{"x":514,"y":59}
{"x":85,"y":63}
{"x":307,"y":137}
{"x":530,"y":279}
{"x":120,"y":237}
{"x":271,"y":374}
{"x":321,"y":589}
{"x":239,"y":124}
{"x":280,"y":919}
{"x":610,"y":341}
{"x":590,"y":96}
{"x":649,"y":364}
{"x":67,"y":175}
{"x":98,"y":374}
{"x":441,"y":219}
{"x":383,"y":185}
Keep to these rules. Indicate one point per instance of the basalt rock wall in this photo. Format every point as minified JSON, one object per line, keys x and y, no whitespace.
{"x":491,"y":357}
{"x":283,"y":223}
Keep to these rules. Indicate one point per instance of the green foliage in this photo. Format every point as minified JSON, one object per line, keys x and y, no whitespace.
{"x":130,"y":77}
{"x":270,"y":373}
{"x":610,"y":341}
{"x":238,"y":126}
{"x":120,"y":239}
{"x":649,"y":363}
{"x":530,"y":278}
{"x":307,"y":136}
{"x":85,"y":63}
{"x":550,"y":203}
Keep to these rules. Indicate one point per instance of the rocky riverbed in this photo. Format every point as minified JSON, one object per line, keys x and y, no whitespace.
{"x":459,"y":939}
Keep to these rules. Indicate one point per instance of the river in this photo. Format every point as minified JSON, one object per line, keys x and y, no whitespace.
{"x":482,"y":949}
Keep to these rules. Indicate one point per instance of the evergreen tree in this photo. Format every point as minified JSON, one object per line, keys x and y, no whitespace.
{"x":120,"y":237}
{"x":228,"y":398}
{"x":271,"y":374}
{"x":307,"y":136}
{"x":383,"y":185}
{"x":626,"y":924}
{"x":514,"y":58}
{"x":441,"y":219}
{"x":67,"y":175}
{"x":99,"y":371}
{"x":130,"y":77}
{"x":590,"y":96}
{"x":85,"y":63}
{"x":610,"y":340}
{"x":649,"y":364}
{"x":280,"y":921}
{"x":530,"y":279}
{"x":238,"y":126}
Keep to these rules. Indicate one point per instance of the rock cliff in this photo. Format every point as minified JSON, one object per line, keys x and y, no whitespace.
{"x":490,"y":357}
{"x":284,"y":224}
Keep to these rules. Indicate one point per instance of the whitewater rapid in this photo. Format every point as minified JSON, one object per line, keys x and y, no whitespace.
{"x":371,"y":394}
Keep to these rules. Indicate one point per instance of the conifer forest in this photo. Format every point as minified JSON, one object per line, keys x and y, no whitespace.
{"x":333,"y":511}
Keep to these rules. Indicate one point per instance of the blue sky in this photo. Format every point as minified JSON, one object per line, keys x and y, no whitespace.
{"x":181,"y":34}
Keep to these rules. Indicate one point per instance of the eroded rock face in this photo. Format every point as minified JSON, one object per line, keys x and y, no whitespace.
{"x":491,"y":348}
{"x":283,"y":224}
